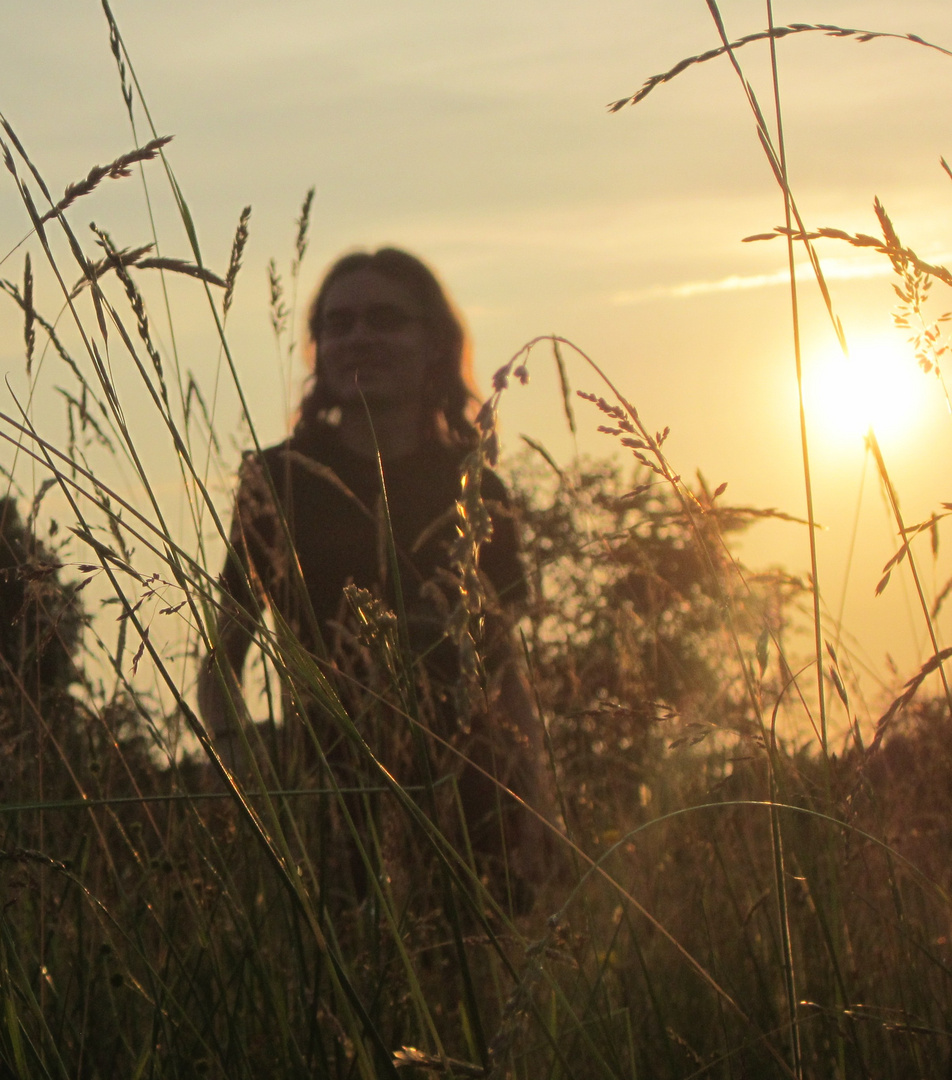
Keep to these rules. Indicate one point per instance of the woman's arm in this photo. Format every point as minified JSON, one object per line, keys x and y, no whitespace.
{"x":220,"y":700}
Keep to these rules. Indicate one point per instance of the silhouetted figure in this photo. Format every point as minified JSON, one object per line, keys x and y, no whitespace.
{"x":40,"y":618}
{"x":314,"y":521}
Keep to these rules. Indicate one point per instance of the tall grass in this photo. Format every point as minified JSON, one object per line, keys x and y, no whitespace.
{"x":721,"y":902}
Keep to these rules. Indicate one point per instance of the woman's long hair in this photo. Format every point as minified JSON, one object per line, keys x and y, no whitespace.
{"x":450,"y":395}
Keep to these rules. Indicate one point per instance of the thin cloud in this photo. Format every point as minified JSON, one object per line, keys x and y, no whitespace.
{"x":833,"y":270}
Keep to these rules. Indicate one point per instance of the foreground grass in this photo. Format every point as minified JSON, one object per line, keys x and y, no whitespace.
{"x":145,"y":931}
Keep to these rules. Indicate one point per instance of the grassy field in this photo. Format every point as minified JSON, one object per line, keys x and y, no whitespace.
{"x":721,"y":900}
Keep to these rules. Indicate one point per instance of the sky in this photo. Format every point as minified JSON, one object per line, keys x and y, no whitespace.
{"x":478,"y":137}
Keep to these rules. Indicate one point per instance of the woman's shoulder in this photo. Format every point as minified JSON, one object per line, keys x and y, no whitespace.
{"x":314,"y":443}
{"x":456,"y":462}
{"x":493,"y":487}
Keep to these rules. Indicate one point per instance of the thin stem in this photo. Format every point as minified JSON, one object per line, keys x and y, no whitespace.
{"x":913,"y":569}
{"x":777,"y":159}
{"x":777,"y":835}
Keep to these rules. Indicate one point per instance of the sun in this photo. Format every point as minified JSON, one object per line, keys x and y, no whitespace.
{"x":878,"y":386}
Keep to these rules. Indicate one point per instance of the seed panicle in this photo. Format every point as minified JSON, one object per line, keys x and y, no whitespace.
{"x":303,"y":224}
{"x":776,"y":34}
{"x":137,"y":305}
{"x":234,"y":263}
{"x":142,"y":260}
{"x":279,"y":311}
{"x":115,"y":44}
{"x":29,"y":331}
{"x":116,"y":169}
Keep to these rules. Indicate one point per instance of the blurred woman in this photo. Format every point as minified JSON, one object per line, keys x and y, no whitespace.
{"x":333,"y":539}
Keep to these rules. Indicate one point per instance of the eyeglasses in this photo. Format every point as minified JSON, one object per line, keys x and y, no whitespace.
{"x":382,"y":318}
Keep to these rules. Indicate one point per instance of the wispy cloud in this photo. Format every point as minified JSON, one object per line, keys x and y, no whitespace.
{"x":833,"y":270}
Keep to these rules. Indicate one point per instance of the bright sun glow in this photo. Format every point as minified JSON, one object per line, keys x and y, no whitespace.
{"x":878,"y":385}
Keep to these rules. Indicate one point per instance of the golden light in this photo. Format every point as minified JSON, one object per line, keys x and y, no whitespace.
{"x":878,"y":385}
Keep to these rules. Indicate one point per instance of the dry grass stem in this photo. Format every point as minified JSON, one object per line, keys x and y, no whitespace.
{"x":180,"y":266}
{"x":860,"y":240}
{"x":138,"y":307}
{"x":14,"y":293}
{"x":303,"y":223}
{"x":29,"y":315}
{"x":408,"y":1057}
{"x":279,"y":310}
{"x":115,"y":44}
{"x":140,"y":258}
{"x":234,"y":263}
{"x":121,"y":167}
{"x":764,"y":35}
{"x":909,"y":692}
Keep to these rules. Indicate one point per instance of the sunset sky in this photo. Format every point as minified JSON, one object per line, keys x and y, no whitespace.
{"x":477,"y":135}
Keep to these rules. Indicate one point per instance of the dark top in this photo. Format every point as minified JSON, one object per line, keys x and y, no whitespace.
{"x":331,"y":499}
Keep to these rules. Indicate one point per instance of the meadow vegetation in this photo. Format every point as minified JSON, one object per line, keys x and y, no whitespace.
{"x":725,"y":900}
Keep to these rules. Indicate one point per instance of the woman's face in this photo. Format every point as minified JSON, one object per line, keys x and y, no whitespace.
{"x":373,"y":344}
